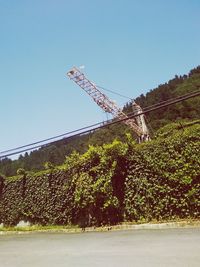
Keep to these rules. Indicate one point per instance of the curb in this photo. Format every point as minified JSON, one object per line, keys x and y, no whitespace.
{"x":122,"y":227}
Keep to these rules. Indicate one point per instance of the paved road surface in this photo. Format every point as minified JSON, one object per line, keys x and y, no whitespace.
{"x":152,"y":248}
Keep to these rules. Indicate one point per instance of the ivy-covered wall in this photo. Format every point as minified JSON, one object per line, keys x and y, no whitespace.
{"x":163,"y":182}
{"x":112,"y":183}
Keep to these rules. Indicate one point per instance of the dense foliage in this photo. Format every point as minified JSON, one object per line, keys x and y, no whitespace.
{"x":164,"y":179}
{"x":112,"y":183}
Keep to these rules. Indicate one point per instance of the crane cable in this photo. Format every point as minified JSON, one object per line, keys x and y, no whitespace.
{"x":108,"y":90}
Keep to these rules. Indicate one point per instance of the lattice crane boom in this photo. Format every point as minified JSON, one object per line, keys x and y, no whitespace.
{"x":104,"y":102}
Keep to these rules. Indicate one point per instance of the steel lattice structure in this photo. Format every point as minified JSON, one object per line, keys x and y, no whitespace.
{"x":108,"y":105}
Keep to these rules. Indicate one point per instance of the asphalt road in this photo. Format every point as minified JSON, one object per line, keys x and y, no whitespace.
{"x":172,"y":247}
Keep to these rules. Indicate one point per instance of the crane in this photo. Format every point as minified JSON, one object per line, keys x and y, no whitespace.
{"x":138,"y":125}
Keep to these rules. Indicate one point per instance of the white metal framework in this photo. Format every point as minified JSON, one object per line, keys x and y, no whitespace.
{"x":109,"y":106}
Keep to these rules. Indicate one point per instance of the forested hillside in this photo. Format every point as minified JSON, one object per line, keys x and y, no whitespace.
{"x":178,"y":86}
{"x":57,"y":151}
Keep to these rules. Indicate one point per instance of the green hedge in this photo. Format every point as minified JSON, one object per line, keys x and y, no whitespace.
{"x":106,"y":185}
{"x":163,"y":180}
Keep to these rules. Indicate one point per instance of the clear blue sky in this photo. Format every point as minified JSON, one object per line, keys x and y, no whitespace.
{"x":129,"y":46}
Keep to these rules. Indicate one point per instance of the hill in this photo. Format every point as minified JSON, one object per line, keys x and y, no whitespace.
{"x":178,"y":86}
{"x":57,"y":151}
